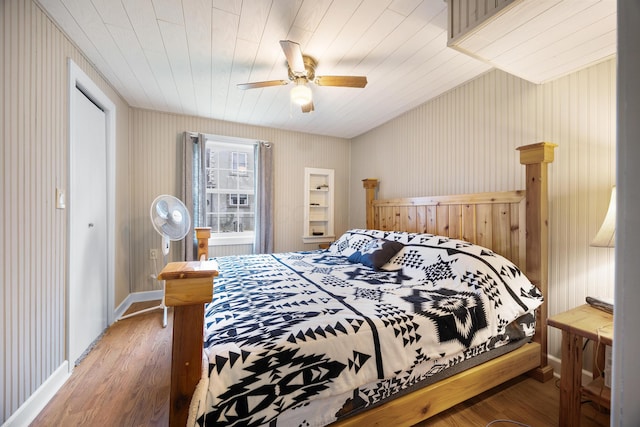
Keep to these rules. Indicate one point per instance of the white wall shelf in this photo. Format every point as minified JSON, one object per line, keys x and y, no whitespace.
{"x":318,"y":205}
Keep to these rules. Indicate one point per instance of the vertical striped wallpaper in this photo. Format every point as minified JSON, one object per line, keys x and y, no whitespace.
{"x":33,"y":236}
{"x":155,"y":143}
{"x":465,"y":141}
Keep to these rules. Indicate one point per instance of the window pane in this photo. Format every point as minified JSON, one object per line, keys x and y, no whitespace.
{"x":225,"y":160}
{"x":245,"y":182}
{"x":211,"y":163}
{"x":230,"y":177}
{"x":247,"y":222}
{"x":212,"y":221}
{"x":228,"y":181}
{"x":227,"y":222}
{"x":212,"y":202}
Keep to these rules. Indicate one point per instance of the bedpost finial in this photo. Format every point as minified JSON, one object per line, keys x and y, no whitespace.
{"x":370,"y":183}
{"x":540,"y":152}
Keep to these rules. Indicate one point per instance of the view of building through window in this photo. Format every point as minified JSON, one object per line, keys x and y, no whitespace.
{"x":231,"y":195}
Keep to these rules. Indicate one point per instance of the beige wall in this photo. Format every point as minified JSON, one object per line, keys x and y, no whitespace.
{"x":470,"y":133}
{"x":465,"y":141}
{"x":156,"y":139}
{"x":34,"y":162}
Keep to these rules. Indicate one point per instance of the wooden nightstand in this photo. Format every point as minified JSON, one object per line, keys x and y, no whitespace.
{"x":576,"y":324}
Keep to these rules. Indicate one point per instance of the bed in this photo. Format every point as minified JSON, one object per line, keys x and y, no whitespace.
{"x":386,"y":327}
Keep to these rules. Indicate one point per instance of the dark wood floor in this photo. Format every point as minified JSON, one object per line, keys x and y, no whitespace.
{"x":124,"y":381}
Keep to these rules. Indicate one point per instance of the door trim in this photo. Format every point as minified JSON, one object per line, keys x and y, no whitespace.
{"x":78,"y":78}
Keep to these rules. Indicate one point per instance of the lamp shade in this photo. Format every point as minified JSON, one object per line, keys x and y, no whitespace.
{"x":607,"y":234}
{"x":301,"y":94}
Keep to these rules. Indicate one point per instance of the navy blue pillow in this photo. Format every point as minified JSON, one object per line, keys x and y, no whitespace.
{"x":376,"y":253}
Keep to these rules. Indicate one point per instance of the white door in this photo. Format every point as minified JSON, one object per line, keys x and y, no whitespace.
{"x":87,"y":226}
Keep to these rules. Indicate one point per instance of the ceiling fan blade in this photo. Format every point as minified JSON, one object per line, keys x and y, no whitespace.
{"x":256,"y":85}
{"x":308,"y":108}
{"x":344,"y":81}
{"x":294,"y":57}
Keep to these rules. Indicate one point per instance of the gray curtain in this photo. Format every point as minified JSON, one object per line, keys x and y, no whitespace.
{"x":193,"y":191}
{"x":264,"y":213}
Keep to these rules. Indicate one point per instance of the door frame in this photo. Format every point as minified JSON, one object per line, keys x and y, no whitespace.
{"x":78,"y":78}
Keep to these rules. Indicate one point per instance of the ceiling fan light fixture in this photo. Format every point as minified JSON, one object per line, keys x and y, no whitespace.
{"x":301,"y":94}
{"x":301,"y":70}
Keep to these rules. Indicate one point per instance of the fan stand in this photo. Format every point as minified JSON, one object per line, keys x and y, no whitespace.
{"x":160,"y":306}
{"x":165,"y":252}
{"x":166,"y":211}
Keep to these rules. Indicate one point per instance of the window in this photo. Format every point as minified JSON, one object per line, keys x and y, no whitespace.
{"x":230,"y":190}
{"x":239,"y":163}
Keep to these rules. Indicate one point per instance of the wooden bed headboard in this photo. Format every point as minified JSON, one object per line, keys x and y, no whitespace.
{"x":512,"y":223}
{"x":493,"y":220}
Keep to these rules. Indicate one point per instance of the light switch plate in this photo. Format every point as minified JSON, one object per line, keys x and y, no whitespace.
{"x":60,"y":199}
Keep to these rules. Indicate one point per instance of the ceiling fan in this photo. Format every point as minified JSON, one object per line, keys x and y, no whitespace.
{"x":302,"y":70}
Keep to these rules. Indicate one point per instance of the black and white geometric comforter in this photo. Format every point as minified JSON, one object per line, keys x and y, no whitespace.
{"x":297,"y":338}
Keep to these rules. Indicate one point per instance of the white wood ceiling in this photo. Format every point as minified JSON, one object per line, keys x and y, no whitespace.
{"x":186,"y":56}
{"x":541,"y":40}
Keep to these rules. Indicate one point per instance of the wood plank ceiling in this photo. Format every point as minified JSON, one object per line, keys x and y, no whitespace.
{"x":187,"y":56}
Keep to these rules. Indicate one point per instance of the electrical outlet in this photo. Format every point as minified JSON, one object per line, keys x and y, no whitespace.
{"x":153,"y":254}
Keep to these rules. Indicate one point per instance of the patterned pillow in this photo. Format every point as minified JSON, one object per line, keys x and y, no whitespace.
{"x":349,"y":243}
{"x":397,"y":236}
{"x":376,"y":253}
{"x":353,"y":240}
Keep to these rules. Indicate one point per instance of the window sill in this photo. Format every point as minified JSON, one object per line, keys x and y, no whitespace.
{"x":224,"y":239}
{"x":318,"y":239}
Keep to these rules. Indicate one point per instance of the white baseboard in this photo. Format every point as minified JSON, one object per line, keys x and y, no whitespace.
{"x":30,"y":409}
{"x":136,"y":297}
{"x":554,"y":362}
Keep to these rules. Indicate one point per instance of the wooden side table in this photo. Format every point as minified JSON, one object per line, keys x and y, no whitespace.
{"x":576,"y":324}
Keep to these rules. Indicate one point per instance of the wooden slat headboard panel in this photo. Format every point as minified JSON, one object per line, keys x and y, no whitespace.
{"x":508,"y":223}
{"x":493,"y":220}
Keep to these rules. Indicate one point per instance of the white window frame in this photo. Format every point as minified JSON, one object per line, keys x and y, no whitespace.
{"x":240,"y":166}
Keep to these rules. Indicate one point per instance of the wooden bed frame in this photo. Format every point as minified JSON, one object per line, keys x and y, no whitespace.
{"x":513,"y":224}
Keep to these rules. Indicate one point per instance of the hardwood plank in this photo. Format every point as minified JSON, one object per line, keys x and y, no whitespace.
{"x":501,"y":229}
{"x":469,"y":223}
{"x":455,"y":221}
{"x":484,"y":222}
{"x":388,"y":218}
{"x":456,"y":199}
{"x":442,"y":220}
{"x":408,"y":218}
{"x":421,"y":221}
{"x":125,"y":381}
{"x":522,"y":399}
{"x":431,"y":220}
